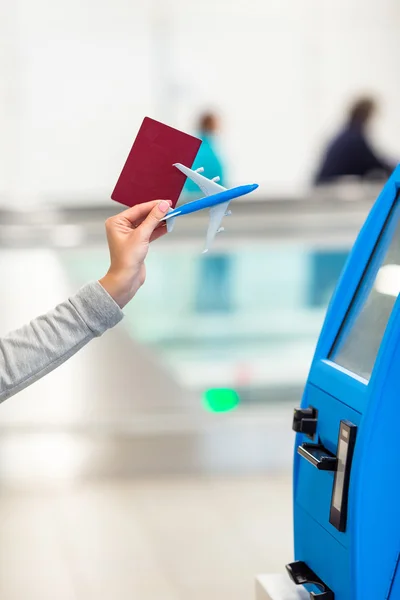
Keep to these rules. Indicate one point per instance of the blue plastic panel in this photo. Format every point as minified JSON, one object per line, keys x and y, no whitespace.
{"x":313,"y":489}
{"x":324,"y":554}
{"x":360,"y":563}
{"x":342,"y":385}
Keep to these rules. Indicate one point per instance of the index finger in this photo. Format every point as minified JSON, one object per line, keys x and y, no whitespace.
{"x":139,"y":211}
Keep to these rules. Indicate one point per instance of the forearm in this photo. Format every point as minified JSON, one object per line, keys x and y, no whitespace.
{"x":34,"y":350}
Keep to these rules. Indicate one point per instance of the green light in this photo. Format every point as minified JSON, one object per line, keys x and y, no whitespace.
{"x":220,"y":400}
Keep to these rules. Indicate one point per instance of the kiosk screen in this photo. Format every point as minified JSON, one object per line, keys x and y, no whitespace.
{"x":360,"y":336}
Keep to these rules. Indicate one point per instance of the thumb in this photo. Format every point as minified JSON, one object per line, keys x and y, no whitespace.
{"x":153,"y":219}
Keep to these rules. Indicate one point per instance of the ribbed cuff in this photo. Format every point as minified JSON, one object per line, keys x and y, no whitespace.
{"x":96,"y":307}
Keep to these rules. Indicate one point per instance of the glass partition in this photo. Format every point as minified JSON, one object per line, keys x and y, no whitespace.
{"x":244,"y":319}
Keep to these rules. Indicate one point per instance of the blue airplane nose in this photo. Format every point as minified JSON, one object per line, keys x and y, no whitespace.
{"x":254,"y":186}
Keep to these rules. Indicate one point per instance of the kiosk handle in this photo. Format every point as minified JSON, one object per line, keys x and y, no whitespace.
{"x":318,"y":456}
{"x":324,"y":460}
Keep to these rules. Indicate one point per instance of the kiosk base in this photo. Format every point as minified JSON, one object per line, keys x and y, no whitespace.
{"x":279,"y":587}
{"x":301,"y":574}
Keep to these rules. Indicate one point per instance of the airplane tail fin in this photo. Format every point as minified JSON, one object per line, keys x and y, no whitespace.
{"x":170,"y":224}
{"x":170,"y":220}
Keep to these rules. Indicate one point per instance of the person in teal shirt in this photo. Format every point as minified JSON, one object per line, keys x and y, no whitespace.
{"x":208,"y":155}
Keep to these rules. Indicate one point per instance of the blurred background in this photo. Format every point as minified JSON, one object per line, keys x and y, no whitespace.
{"x":157,"y":461}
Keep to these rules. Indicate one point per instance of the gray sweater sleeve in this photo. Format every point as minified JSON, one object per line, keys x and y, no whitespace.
{"x":31,"y":352}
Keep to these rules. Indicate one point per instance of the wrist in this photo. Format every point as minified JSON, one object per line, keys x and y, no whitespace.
{"x":117,"y":289}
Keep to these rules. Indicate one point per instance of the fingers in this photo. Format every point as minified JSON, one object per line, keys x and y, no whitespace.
{"x":158,"y":232}
{"x":153,"y":220}
{"x":138,"y":212}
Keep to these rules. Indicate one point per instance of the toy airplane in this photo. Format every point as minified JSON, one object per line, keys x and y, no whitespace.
{"x":216,"y":198}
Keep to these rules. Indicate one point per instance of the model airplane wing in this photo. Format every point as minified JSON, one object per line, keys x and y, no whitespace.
{"x":207,"y":186}
{"x":217,"y":213}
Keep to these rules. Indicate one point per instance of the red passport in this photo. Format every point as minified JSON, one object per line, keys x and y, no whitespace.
{"x":148,"y":173}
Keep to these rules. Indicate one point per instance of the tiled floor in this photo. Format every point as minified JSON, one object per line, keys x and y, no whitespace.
{"x":172,"y":539}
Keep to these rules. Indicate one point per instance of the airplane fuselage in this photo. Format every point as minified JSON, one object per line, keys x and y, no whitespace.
{"x":213,"y":200}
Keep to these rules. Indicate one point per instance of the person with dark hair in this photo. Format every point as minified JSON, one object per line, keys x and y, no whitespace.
{"x":350,"y":152}
{"x":208,"y":156}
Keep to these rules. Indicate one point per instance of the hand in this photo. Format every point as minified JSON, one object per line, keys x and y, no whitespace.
{"x":129,"y":235}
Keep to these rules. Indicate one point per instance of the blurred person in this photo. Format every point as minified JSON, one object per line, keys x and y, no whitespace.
{"x":208,"y":156}
{"x":213,"y":293}
{"x":39,"y":347}
{"x":350,"y":152}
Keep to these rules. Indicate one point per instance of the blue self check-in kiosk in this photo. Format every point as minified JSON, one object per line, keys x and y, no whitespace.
{"x":346,"y":479}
